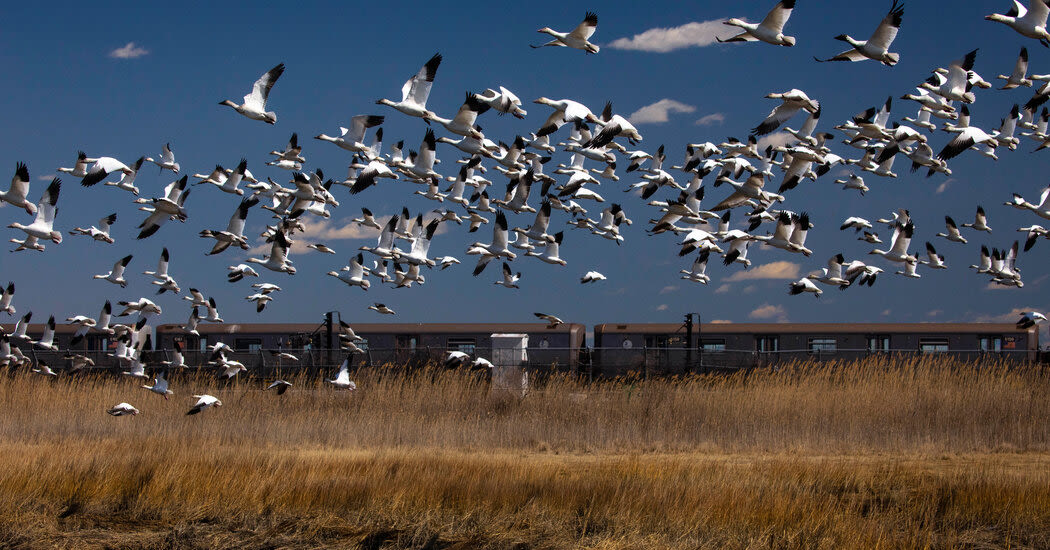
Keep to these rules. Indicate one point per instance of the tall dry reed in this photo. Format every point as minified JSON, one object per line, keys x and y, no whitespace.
{"x":876,"y":453}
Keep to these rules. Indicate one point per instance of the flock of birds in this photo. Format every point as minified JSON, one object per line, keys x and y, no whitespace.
{"x":606,"y":142}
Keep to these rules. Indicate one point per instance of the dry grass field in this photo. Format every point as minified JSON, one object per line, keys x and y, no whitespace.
{"x":877,"y":454}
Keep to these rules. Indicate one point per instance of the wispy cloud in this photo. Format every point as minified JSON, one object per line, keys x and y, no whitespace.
{"x":773,"y":270}
{"x":129,"y":51}
{"x":47,"y":177}
{"x":663,"y":40}
{"x":720,"y":322}
{"x":944,"y":185}
{"x":661,"y":307}
{"x":668,"y":289}
{"x":769,"y":311}
{"x":711,"y":119}
{"x":723,"y":289}
{"x":658,"y":112}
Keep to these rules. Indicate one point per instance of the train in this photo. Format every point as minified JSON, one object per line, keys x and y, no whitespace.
{"x":618,"y":349}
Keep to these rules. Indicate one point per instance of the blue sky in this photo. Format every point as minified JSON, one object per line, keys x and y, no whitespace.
{"x":67,"y":92}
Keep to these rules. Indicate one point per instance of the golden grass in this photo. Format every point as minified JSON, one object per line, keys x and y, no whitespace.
{"x":876,"y":454}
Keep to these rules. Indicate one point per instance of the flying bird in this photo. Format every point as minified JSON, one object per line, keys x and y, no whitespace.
{"x":578,"y":39}
{"x":877,"y":47}
{"x":254,"y":106}
{"x":770,"y":30}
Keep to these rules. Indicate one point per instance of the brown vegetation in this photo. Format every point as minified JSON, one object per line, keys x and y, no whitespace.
{"x":923,"y":453}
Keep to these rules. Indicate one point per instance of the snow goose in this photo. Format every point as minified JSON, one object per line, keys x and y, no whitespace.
{"x":955,"y":85}
{"x":739,"y":242}
{"x":381,"y":308}
{"x":578,"y":39}
{"x":236,"y":273}
{"x":433,"y":192}
{"x":342,"y":377}
{"x":804,"y":285}
{"x":167,"y":159}
{"x":122,"y":409}
{"x":43,"y":226}
{"x":446,"y":261}
{"x":44,"y":368}
{"x":367,"y":220}
{"x":83,"y":324}
{"x":503,"y":101}
{"x":608,"y":226}
{"x":47,"y":339}
{"x":463,"y":123}
{"x":933,"y":259}
{"x":352,"y":138}
{"x":292,"y":151}
{"x":79,"y":169}
{"x":953,"y":233}
{"x":194,"y":320}
{"x":792,"y":101}
{"x":509,"y":278}
{"x":615,"y":126}
{"x":234,"y":233}
{"x":286,"y":164}
{"x":832,"y":274}
{"x":552,"y":321}
{"x":230,"y":183}
{"x":160,"y":385}
{"x":100,"y":233}
{"x":538,"y":230}
{"x":870,"y":238}
{"x":171,"y":205}
{"x":770,"y":30}
{"x":196,"y":298}
{"x":213,"y":312}
{"x":551,"y":251}
{"x":980,"y":222}
{"x":320,"y":248}
{"x":19,"y":190}
{"x":967,"y":138}
{"x":697,"y":273}
{"x":280,"y":385}
{"x":1030,"y":319}
{"x":6,"y":295}
{"x":1034,"y":232}
{"x":922,"y":120}
{"x":566,"y":111}
{"x":204,"y":402}
{"x":385,"y":246}
{"x":856,"y":223}
{"x":742,"y":192}
{"x":266,"y":288}
{"x":368,"y":176}
{"x":898,"y":252}
{"x":102,"y":168}
{"x":116,"y":275}
{"x":260,"y":301}
{"x":1018,"y":77}
{"x":498,"y":248}
{"x":1029,"y":22}
{"x":21,"y":326}
{"x":877,"y":47}
{"x":416,"y":90}
{"x":278,"y":258}
{"x":161,"y":273}
{"x":254,"y":106}
{"x":354,"y":273}
{"x":422,"y":237}
{"x":854,"y":182}
{"x":592,"y":277}
{"x":910,"y":271}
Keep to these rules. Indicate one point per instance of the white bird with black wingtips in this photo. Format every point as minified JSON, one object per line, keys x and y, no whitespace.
{"x":116,"y":275}
{"x":254,"y":105}
{"x":578,"y":38}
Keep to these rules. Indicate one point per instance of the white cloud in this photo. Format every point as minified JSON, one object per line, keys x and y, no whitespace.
{"x":886,"y":313}
{"x":668,"y":289}
{"x":769,"y":311}
{"x":711,"y":119}
{"x":944,"y":185}
{"x":934,"y":313}
{"x":1009,"y":317}
{"x":719,"y":322}
{"x":663,"y":40}
{"x":661,"y":307}
{"x":778,"y":139}
{"x":723,"y":289}
{"x":773,"y":270}
{"x":47,"y":177}
{"x":128,"y":51}
{"x":657,"y":112}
